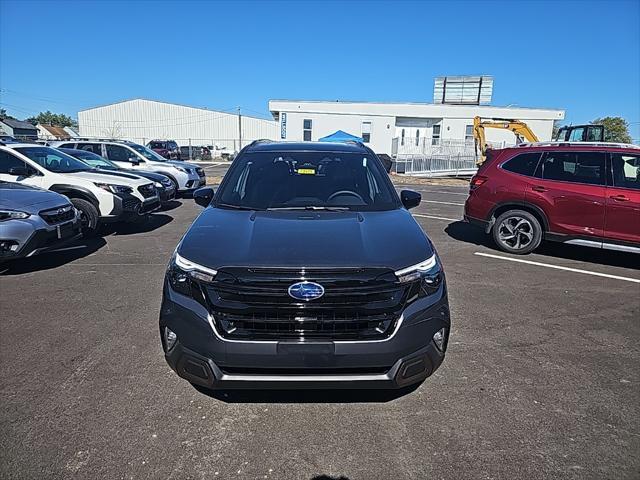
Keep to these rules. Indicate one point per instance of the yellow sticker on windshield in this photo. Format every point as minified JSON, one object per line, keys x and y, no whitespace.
{"x":306,"y":171}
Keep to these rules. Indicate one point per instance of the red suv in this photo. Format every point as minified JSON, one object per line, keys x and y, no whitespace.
{"x":577,"y":193}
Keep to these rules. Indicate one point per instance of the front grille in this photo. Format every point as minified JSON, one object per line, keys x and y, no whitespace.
{"x":131,"y":204}
{"x":58,"y":215}
{"x":149,"y":206}
{"x":147,"y":191}
{"x":358,"y":304}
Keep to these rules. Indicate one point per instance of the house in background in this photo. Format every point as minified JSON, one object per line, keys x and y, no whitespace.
{"x":49,"y":132}
{"x":18,"y":129}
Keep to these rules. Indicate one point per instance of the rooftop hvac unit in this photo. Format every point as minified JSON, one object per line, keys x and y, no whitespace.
{"x":466,"y":90}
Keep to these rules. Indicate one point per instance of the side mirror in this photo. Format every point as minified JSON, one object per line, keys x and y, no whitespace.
{"x":20,"y":171}
{"x":134,"y":160}
{"x":203,"y":196}
{"x":410,"y":199}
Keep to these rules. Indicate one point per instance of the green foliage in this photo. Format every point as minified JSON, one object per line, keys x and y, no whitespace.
{"x":616,"y":129}
{"x":3,"y":114}
{"x":55,"y":119}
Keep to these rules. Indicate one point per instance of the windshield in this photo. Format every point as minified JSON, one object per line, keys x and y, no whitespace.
{"x":313,"y":180}
{"x":94,"y":160}
{"x":147,"y":153}
{"x":53,"y":160}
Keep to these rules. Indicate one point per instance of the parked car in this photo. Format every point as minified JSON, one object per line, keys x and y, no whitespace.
{"x":575,"y":193}
{"x":100,"y":196}
{"x":163,"y":184}
{"x":195,"y":153}
{"x":166,"y":148}
{"x":320,"y":277}
{"x":33,"y":220}
{"x":186,"y":177}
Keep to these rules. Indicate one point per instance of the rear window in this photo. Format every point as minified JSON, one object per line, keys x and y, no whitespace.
{"x":575,"y":167}
{"x":523,"y":164}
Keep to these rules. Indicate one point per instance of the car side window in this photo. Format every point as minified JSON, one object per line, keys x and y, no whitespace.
{"x":524,"y":164}
{"x":118,"y":153}
{"x":8,"y":161}
{"x":67,"y":145}
{"x":626,"y":170}
{"x":91,"y":147}
{"x":575,"y":167}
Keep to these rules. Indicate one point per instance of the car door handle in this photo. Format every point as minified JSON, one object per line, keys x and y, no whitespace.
{"x":620,"y":198}
{"x":538,"y":188}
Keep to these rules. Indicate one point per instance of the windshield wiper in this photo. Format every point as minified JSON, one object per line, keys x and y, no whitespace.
{"x":237,"y":207}
{"x":312,"y":207}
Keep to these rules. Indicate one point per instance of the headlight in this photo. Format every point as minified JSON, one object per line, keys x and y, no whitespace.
{"x":114,"y":188}
{"x":429,"y":272}
{"x":166,"y":182}
{"x":13,"y":215}
{"x":182,"y":272}
{"x":157,"y":184}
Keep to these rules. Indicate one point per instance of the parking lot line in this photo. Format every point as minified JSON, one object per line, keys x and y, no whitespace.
{"x":443,"y":203}
{"x":558,"y":267}
{"x":437,"y":218}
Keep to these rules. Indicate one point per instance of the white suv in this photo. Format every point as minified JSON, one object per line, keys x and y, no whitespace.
{"x":99,"y":195}
{"x":186,"y":177}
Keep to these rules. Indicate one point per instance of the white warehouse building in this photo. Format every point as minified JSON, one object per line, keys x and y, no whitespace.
{"x":403,"y":128}
{"x":141,"y":120}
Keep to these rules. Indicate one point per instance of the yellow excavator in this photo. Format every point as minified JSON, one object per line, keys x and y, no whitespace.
{"x":520,"y":129}
{"x":571,"y":133}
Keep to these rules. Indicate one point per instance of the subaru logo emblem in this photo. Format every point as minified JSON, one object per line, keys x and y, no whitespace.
{"x":306,"y":291}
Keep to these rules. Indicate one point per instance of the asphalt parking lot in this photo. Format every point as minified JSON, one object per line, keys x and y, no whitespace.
{"x":541,"y":379}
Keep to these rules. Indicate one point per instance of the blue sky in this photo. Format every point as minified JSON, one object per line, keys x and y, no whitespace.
{"x":582,"y":56}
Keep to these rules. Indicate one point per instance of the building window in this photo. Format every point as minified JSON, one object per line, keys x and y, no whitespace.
{"x":417,"y":137}
{"x":468,"y":134}
{"x":402,"y":138}
{"x":435,"y":136}
{"x":366,"y":132}
{"x":306,"y":130}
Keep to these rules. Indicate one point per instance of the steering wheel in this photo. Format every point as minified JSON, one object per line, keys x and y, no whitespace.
{"x":345,"y":192}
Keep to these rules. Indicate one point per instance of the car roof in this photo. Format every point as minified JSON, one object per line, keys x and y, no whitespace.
{"x":268,"y":146}
{"x":568,"y":146}
{"x":23,"y":144}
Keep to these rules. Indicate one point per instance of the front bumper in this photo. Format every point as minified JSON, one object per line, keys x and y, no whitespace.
{"x":32,"y":239}
{"x":167,"y":193}
{"x":202,"y":357}
{"x":129,"y":207}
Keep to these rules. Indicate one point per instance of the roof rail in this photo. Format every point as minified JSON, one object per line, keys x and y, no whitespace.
{"x":259,"y":140}
{"x":578,"y":144}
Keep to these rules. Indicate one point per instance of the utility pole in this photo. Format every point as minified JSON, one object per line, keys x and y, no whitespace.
{"x":239,"y":130}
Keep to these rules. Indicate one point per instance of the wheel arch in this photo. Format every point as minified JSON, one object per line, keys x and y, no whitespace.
{"x":74,"y":191}
{"x":534,"y":210}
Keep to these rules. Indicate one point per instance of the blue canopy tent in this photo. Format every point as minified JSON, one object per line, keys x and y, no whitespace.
{"x":340,"y":136}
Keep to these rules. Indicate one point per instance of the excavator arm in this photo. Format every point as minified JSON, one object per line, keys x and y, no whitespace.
{"x":520,"y":129}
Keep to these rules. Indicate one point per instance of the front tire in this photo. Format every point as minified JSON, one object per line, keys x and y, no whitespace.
{"x":517,"y":231}
{"x":89,"y":216}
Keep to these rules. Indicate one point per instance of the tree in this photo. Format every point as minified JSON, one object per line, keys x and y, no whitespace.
{"x":616,"y":129}
{"x":556,"y":128}
{"x":3,"y":114}
{"x":55,"y":119}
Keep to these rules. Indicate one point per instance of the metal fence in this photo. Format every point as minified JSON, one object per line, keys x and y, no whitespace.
{"x":433,"y":157}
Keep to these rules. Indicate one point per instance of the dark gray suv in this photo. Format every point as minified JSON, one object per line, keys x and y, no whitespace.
{"x":305,"y":270}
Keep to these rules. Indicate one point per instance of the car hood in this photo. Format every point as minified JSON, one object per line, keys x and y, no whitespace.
{"x":15,"y":196}
{"x":225,"y":238}
{"x":155,"y":177}
{"x":106,"y":176}
{"x":177,"y":163}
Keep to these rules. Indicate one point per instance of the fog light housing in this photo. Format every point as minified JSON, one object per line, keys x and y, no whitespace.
{"x":170,"y":338}
{"x":439,"y":338}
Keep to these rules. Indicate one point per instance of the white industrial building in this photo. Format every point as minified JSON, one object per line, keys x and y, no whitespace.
{"x":417,"y":134}
{"x":143,"y":120}
{"x":397,"y":128}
